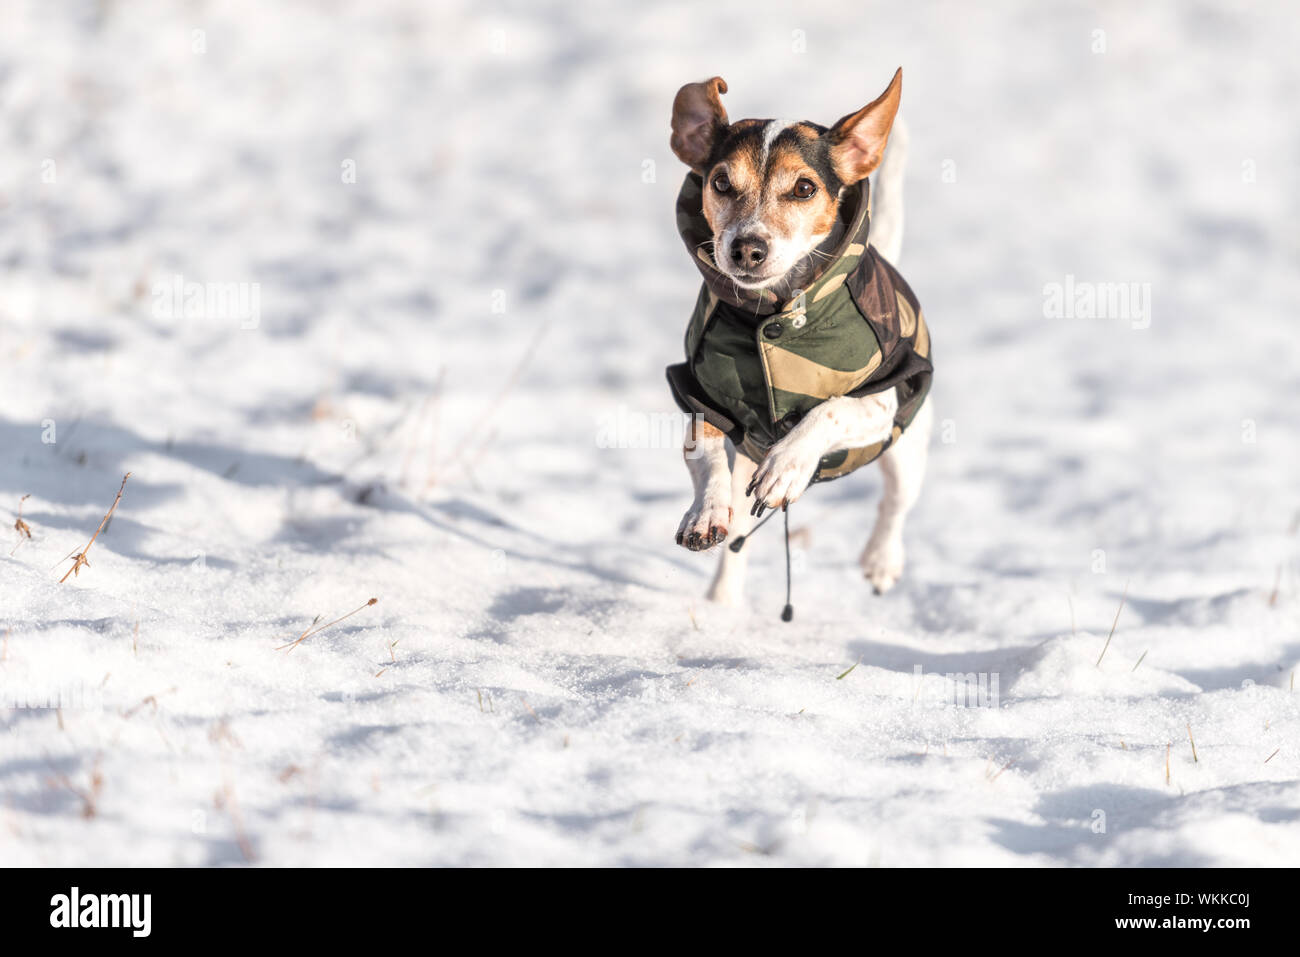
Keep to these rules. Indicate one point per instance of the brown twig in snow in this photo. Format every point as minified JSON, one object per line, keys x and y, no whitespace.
{"x":316,"y":631}
{"x":1123,"y":599}
{"x":22,"y":528}
{"x":79,"y":558}
{"x":90,"y":797}
{"x":150,"y":700}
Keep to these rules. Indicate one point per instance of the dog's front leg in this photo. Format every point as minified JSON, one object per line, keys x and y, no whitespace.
{"x":707,"y":520}
{"x":729,"y":581}
{"x":837,"y":424}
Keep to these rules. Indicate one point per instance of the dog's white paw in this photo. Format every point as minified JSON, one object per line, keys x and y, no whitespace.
{"x":704,"y":526}
{"x":882,"y":563}
{"x":785,"y":472}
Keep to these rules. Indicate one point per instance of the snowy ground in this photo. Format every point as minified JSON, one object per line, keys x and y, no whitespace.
{"x":444,"y":345}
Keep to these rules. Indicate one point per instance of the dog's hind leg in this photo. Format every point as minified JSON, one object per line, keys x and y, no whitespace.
{"x":729,"y":582}
{"x":903,"y":468}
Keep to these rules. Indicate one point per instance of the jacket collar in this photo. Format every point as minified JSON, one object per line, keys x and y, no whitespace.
{"x":845,"y":246}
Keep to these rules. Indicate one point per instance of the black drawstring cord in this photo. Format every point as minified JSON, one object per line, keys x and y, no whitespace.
{"x":739,"y":541}
{"x":787,"y":613}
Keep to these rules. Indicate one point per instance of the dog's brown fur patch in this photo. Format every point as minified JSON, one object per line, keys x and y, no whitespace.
{"x":766,"y":191}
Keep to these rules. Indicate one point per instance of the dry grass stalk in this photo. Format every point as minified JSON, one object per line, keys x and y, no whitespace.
{"x":1168,"y":749}
{"x":79,"y":558}
{"x":530,"y":709}
{"x":151,"y":700}
{"x":480,"y":426}
{"x":998,"y":774}
{"x":228,"y":801}
{"x":1140,"y":660}
{"x":1123,"y":599}
{"x":224,"y":739}
{"x":1277,"y":583}
{"x":89,"y":797}
{"x":427,"y":411}
{"x":1195,"y":759}
{"x":22,"y":528}
{"x":849,"y":672}
{"x":312,"y":630}
{"x":1271,"y":756}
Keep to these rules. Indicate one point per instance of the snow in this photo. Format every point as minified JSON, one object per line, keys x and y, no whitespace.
{"x":421,"y":411}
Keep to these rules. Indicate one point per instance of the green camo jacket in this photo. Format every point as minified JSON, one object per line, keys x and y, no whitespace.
{"x":756,"y":364}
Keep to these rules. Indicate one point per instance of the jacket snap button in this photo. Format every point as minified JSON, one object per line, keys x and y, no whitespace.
{"x":772,"y":330}
{"x":791,"y":419}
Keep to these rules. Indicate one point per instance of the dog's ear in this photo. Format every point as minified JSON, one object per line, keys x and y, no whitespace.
{"x":858,"y":140}
{"x":698,"y":118}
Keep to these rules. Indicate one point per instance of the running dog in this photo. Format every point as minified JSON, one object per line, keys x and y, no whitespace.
{"x":807,"y":355}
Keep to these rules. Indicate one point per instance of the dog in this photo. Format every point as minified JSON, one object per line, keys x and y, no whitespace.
{"x":784,"y":384}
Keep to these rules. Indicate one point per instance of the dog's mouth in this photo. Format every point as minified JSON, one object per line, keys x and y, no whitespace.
{"x":753,"y":278}
{"x":785,"y":261}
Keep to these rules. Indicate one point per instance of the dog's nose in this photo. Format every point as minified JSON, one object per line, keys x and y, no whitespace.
{"x":748,"y":251}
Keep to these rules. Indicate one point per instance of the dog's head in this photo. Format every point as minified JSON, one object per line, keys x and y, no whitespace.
{"x":772,"y":188}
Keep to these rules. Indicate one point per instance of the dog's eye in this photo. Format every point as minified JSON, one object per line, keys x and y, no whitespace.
{"x":721,"y":183}
{"x":804,"y":189}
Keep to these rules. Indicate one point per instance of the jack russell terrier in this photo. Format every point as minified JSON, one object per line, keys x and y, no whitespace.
{"x":807,"y":355}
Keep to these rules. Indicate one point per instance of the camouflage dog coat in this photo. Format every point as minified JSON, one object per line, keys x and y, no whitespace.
{"x":757,"y":363}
